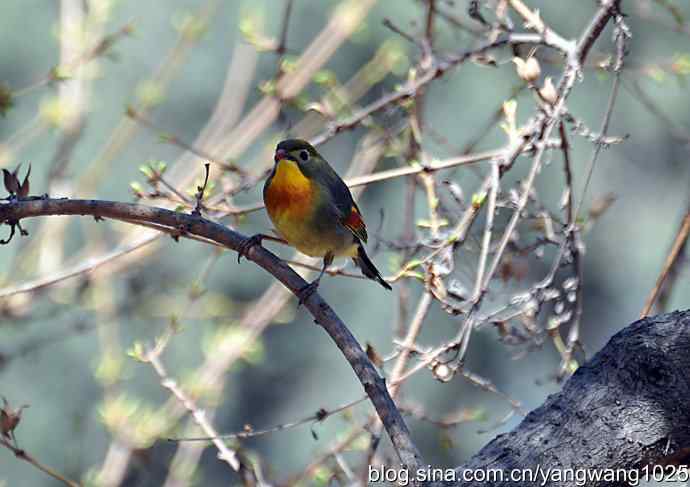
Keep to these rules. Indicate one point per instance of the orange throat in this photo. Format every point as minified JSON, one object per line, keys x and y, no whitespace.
{"x":289,"y":194}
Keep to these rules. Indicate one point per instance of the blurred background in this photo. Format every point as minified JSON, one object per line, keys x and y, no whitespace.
{"x":101,"y":97}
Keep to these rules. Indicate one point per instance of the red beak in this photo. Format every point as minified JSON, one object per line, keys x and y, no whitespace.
{"x":280,"y":155}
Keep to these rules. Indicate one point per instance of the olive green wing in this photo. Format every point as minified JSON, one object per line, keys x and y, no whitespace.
{"x":345,"y":207}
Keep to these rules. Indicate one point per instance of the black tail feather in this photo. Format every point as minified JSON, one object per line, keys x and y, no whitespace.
{"x":368,"y":268}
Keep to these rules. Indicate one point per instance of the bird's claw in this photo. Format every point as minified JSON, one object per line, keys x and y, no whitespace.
{"x":248,"y":243}
{"x":306,"y":292}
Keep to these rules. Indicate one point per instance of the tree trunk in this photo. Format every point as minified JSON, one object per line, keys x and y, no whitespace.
{"x":627,"y":408}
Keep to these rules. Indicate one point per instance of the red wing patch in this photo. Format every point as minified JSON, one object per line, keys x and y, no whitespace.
{"x":356,"y":225}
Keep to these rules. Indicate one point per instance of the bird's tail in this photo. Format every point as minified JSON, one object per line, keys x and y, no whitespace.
{"x":368,"y":268}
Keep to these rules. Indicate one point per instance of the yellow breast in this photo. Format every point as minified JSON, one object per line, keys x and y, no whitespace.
{"x":290,"y":200}
{"x":289,"y":193}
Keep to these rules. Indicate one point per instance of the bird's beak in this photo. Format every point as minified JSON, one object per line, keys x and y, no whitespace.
{"x":280,"y":155}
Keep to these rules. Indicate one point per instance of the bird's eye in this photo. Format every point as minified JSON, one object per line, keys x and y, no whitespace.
{"x":304,"y":155}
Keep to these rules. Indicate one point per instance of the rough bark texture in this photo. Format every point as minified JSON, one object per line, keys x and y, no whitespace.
{"x":625,"y":408}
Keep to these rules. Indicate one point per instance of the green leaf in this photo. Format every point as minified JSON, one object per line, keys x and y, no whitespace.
{"x":6,"y":99}
{"x":136,"y":351}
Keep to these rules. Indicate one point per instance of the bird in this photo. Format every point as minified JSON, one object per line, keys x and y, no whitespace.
{"x":312,"y":210}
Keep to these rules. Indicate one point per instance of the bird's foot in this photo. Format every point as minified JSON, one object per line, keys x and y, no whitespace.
{"x":306,"y":292}
{"x":248,"y":243}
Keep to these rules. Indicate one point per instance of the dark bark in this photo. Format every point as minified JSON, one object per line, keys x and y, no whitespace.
{"x":624,"y":409}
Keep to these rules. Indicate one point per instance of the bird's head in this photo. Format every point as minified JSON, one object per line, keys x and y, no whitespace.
{"x":296,"y":150}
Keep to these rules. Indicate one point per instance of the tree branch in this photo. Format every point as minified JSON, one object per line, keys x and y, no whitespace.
{"x":24,"y":455}
{"x":624,"y":409}
{"x":190,"y":225}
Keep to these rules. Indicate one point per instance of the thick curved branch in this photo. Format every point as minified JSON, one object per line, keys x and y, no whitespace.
{"x":624,"y":409}
{"x":195,"y":226}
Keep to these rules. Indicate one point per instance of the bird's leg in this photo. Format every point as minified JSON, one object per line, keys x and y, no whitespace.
{"x":310,"y":288}
{"x":255,"y":240}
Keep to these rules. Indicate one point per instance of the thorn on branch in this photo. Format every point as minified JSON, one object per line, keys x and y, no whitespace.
{"x":321,"y":414}
{"x":181,"y":230}
{"x":200,"y":193}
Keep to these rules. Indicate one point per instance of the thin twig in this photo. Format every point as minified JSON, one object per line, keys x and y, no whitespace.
{"x":200,"y":193}
{"x":318,"y":417}
{"x":24,"y":455}
{"x":482,"y":284}
{"x":679,"y":242}
{"x":224,"y":453}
